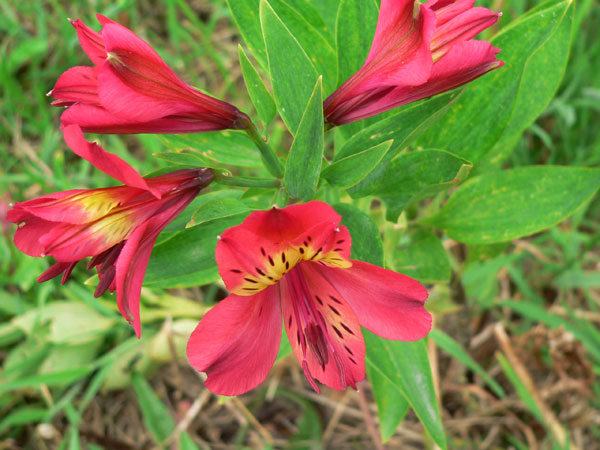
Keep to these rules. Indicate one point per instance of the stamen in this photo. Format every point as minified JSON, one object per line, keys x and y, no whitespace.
{"x":105,"y":281}
{"x":67,"y":272}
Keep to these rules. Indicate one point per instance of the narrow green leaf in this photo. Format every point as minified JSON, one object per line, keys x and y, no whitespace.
{"x":406,"y":366}
{"x":352,"y":46}
{"x":246,"y":16}
{"x":260,"y":96}
{"x":414,"y":119}
{"x":421,"y":255}
{"x":292,"y":73}
{"x":218,"y":148}
{"x":157,"y":417}
{"x":348,"y":171}
{"x":327,"y":9}
{"x":366,"y":239}
{"x":186,"y":442}
{"x":306,"y":155}
{"x":493,"y":111}
{"x":392,"y":406}
{"x":508,"y":204}
{"x":188,"y":158}
{"x":455,"y":350}
{"x":61,"y":378}
{"x":316,"y":44}
{"x":218,"y":208}
{"x":520,"y":387}
{"x":22,"y":416}
{"x":176,"y":263}
{"x":417,"y":175}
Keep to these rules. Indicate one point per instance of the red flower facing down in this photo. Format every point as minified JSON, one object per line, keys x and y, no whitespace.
{"x":130,"y":89}
{"x":116,"y":226}
{"x":419,"y":50}
{"x":294,"y":262}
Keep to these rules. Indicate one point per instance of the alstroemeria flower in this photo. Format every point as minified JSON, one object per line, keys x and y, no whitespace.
{"x":130,"y":89}
{"x":116,"y":226}
{"x":294,"y":262}
{"x":419,"y":50}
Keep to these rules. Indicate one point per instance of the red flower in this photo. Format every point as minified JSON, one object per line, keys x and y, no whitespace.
{"x":419,"y":50}
{"x":117,"y":226}
{"x":295,"y":262}
{"x":131,"y":89}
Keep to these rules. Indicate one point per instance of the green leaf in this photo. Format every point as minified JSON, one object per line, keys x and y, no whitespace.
{"x":316,"y":43}
{"x":405,"y":365}
{"x":493,"y":111}
{"x":414,"y":119}
{"x":392,"y":406}
{"x":306,"y":155}
{"x":414,"y":176}
{"x":22,"y":416}
{"x":421,"y":255}
{"x":326,"y":9}
{"x":455,"y":350}
{"x":348,"y":171}
{"x":218,"y":208}
{"x":246,"y":16}
{"x":187,"y":157}
{"x":176,"y":263}
{"x":508,"y":204}
{"x":353,"y":46}
{"x":217,"y":148}
{"x":260,"y":96}
{"x":292,"y":73}
{"x":366,"y":239}
{"x":186,"y":442}
{"x":157,"y":417}
{"x":60,"y":378}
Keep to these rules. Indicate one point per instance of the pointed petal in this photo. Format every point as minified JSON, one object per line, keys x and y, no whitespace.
{"x":463,"y":63}
{"x":400,"y":53}
{"x":106,"y":162}
{"x":54,"y":271}
{"x":462,"y":28}
{"x":96,"y":119}
{"x":137,"y":83}
{"x":387,"y":303}
{"x":446,"y":10}
{"x":237,"y":341}
{"x":345,"y":364}
{"x":78,"y":84}
{"x":91,"y":42}
{"x":27,"y":237}
{"x":133,"y":259}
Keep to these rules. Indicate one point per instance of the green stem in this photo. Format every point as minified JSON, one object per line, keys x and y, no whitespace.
{"x":246,"y":181}
{"x":268,"y":155}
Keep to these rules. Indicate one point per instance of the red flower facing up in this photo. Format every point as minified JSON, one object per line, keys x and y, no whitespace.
{"x":419,"y":50}
{"x":116,"y":226}
{"x":130,"y":89}
{"x":294,"y":262}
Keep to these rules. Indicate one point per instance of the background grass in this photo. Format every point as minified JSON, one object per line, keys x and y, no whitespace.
{"x":73,"y":376}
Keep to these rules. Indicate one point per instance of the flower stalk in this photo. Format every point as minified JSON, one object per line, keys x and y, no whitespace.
{"x":269,"y":157}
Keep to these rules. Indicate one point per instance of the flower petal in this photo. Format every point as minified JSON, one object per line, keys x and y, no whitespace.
{"x":106,"y":162}
{"x":78,"y":84}
{"x":446,"y":10}
{"x":237,"y":341}
{"x":387,"y":303}
{"x":400,"y":53}
{"x":133,"y":259}
{"x":268,"y":244}
{"x":91,"y":42}
{"x":344,"y":347}
{"x":463,"y":63}
{"x":96,"y":119}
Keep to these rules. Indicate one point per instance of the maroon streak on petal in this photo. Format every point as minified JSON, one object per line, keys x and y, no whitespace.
{"x":237,"y":341}
{"x":387,"y":303}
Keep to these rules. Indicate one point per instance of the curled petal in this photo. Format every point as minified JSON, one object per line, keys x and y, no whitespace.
{"x":107,"y":162}
{"x":78,"y":84}
{"x":237,"y":341}
{"x":387,"y":303}
{"x":133,"y":259}
{"x":446,"y":10}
